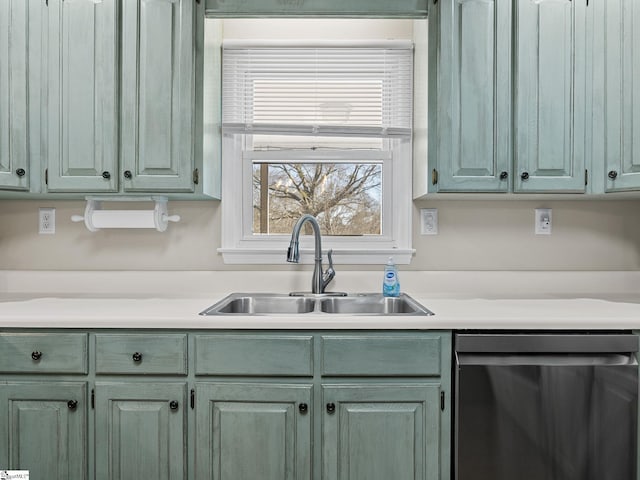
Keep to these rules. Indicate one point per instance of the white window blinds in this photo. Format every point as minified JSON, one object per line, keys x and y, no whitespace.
{"x":318,"y":90}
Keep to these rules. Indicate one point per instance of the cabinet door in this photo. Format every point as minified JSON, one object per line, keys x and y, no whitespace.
{"x":140,"y":431}
{"x":158,"y":95}
{"x":81,"y":145}
{"x":550,"y":97}
{"x":19,"y":100}
{"x":378,"y":432}
{"x":250,"y":431}
{"x":42,"y":430}
{"x":474,"y":96}
{"x":617,"y":70}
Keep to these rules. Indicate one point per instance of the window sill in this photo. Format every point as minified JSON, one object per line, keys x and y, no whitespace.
{"x":340,"y":256}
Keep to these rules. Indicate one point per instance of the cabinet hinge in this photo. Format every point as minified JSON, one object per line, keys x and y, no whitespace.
{"x":193,"y":399}
{"x":196,"y":176}
{"x":586,"y":176}
{"x":46,"y":176}
{"x":93,"y":398}
{"x":434,"y":176}
{"x":442,"y":401}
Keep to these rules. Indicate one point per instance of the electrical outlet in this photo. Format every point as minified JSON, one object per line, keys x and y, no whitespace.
{"x":429,"y":221}
{"x":47,"y":221}
{"x":543,"y":221}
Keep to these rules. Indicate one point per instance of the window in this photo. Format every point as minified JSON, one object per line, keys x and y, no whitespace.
{"x":323,"y":129}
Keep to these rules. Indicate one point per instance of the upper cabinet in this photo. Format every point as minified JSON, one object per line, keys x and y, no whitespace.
{"x":549,"y":111}
{"x":473,"y":78}
{"x":81,"y":147}
{"x":155,"y":116}
{"x":158,"y":102}
{"x":616,"y":102}
{"x":19,"y":97}
{"x":316,"y":8}
{"x":498,"y":126}
{"x":103,"y":96}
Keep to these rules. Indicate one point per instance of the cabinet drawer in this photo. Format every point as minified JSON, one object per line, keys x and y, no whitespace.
{"x":390,"y":355}
{"x":141,"y":354}
{"x":254,"y":355}
{"x":43,"y":353}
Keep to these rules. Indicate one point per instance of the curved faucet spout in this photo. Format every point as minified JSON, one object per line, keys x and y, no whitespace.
{"x":320,"y":280}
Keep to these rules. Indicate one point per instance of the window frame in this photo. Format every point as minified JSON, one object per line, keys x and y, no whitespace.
{"x":240,"y":247}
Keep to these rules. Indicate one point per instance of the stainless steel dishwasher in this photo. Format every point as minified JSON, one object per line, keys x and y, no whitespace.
{"x":546,"y":406}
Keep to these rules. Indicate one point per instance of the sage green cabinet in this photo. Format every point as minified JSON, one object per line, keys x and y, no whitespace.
{"x":488,"y":135}
{"x":253,"y":430}
{"x":43,"y":428}
{"x":473,"y":112}
{"x":550,"y":81}
{"x":19,"y":95}
{"x":121,"y":96}
{"x":81,"y":147}
{"x":317,"y":8}
{"x":226,"y":405}
{"x":158,"y":95}
{"x":378,"y":432}
{"x":616,"y":127}
{"x":140,"y":430}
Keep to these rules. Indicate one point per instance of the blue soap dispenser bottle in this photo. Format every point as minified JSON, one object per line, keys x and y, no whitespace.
{"x":390,"y":283}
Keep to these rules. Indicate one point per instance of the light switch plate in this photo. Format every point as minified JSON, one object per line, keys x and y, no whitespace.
{"x":543,"y":221}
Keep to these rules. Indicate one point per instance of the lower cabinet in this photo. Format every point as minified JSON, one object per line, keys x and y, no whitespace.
{"x":140,"y":431}
{"x":43,"y":429}
{"x":226,"y":405}
{"x":379,"y":432}
{"x":253,"y":430}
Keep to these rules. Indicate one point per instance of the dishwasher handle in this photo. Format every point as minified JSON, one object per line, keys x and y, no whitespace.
{"x":547,"y":360}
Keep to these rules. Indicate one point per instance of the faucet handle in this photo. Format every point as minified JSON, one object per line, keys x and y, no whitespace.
{"x":328,"y":275}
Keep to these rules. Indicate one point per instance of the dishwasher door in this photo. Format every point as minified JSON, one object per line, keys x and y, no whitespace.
{"x":538,"y":412}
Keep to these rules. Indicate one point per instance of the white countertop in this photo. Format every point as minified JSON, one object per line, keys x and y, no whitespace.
{"x":450,"y":313}
{"x":462,"y":309}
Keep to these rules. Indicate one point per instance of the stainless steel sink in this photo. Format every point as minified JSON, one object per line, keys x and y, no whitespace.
{"x":282,"y":304}
{"x":373,"y":304}
{"x":260,"y":304}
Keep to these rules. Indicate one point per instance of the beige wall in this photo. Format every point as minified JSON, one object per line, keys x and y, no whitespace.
{"x":473,"y":235}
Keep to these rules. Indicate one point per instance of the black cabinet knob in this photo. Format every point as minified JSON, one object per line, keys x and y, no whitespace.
{"x":106,"y":175}
{"x":72,"y":404}
{"x":612,"y":174}
{"x":503,"y":175}
{"x":331,"y":407}
{"x":128,"y":174}
{"x":303,"y":407}
{"x":36,"y":355}
{"x":137,"y":357}
{"x":524,"y":176}
{"x":21,"y":172}
{"x":173,"y":405}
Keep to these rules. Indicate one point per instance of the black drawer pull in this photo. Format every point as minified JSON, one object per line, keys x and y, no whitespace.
{"x":331,"y":408}
{"x":173,"y":405}
{"x":72,"y":404}
{"x":303,"y":407}
{"x":137,"y":357}
{"x":36,"y":355}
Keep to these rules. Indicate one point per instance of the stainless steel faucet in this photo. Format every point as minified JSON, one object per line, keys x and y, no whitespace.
{"x":320,"y":279}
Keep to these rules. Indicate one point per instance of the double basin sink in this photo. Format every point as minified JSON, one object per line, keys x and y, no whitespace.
{"x":351,"y":304}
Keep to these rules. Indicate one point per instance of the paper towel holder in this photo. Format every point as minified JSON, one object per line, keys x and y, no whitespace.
{"x":95,"y":218}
